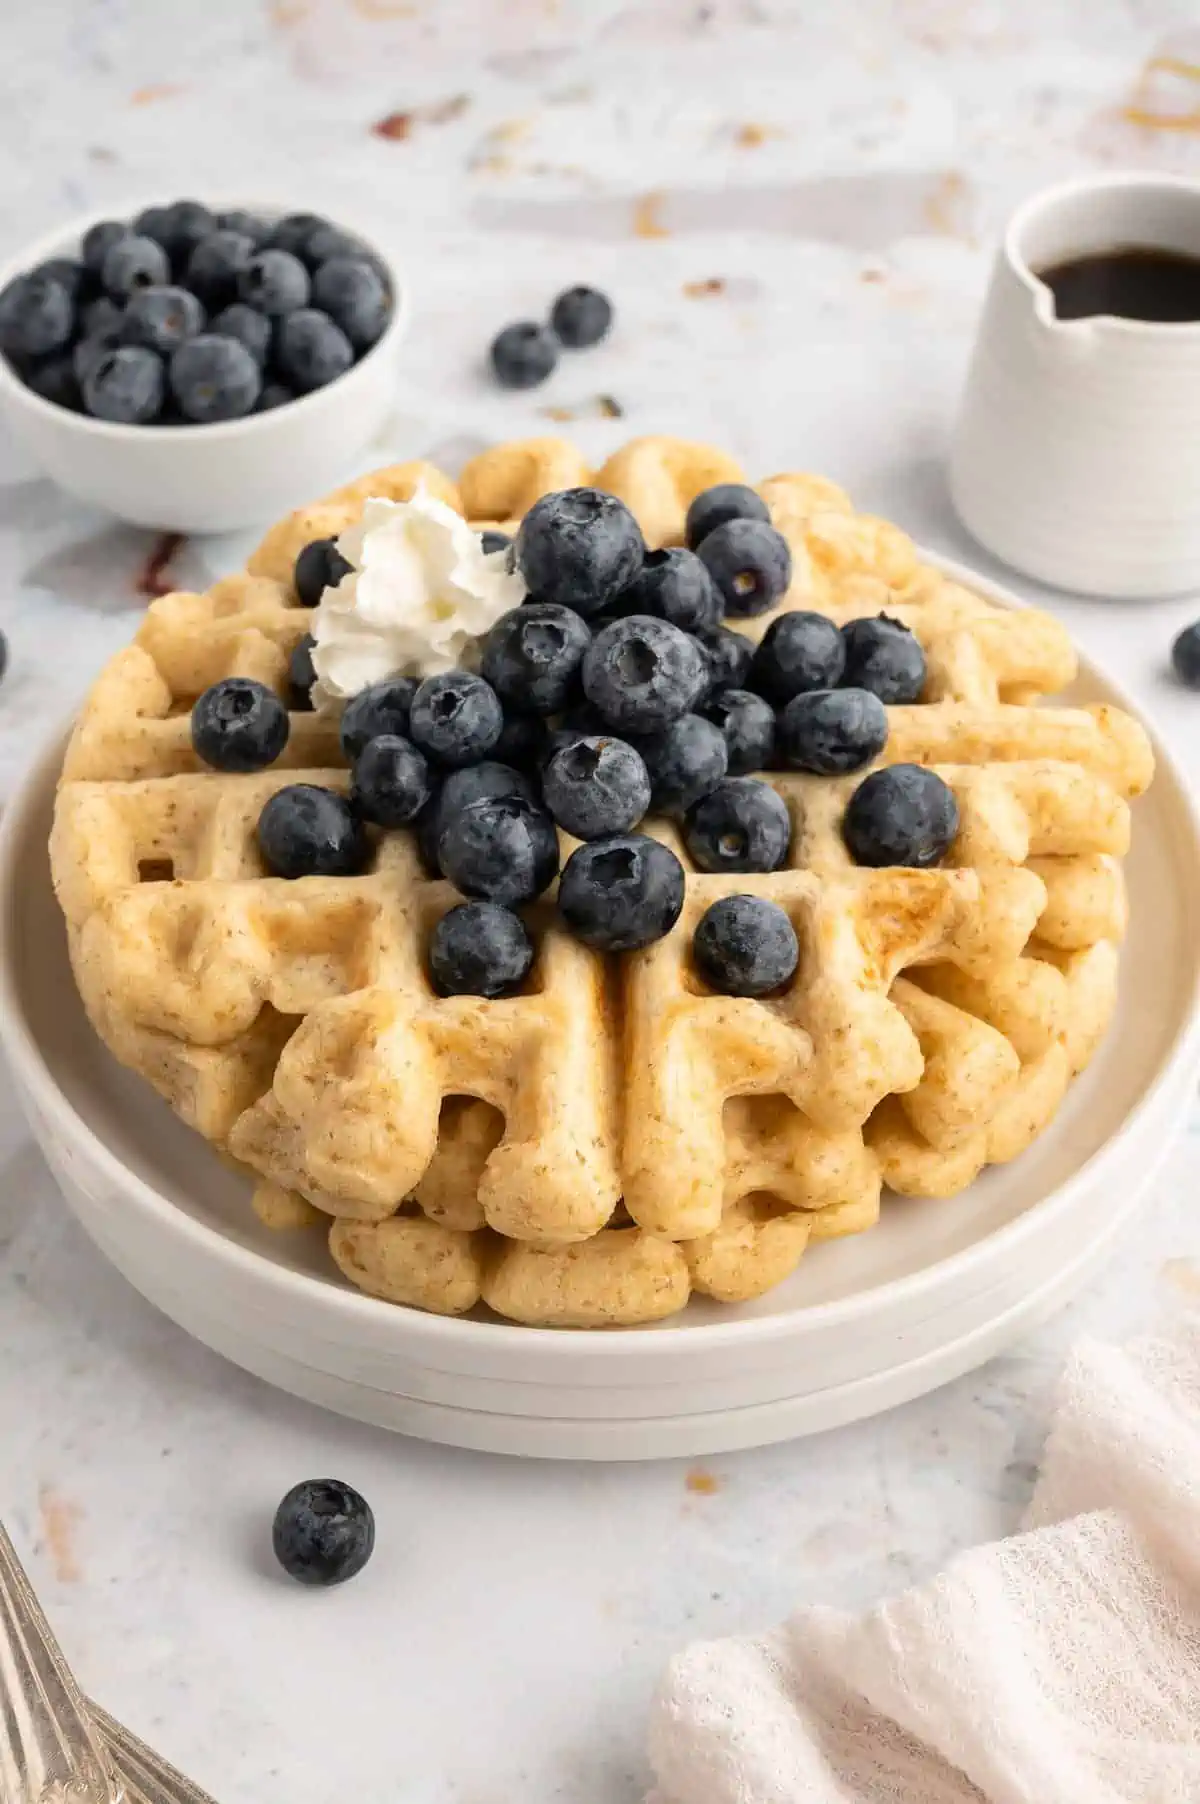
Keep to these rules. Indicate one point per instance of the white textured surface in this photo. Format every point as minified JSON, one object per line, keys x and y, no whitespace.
{"x":840,"y":169}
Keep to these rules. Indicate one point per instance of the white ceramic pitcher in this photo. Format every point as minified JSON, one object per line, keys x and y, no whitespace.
{"x":1076,"y":456}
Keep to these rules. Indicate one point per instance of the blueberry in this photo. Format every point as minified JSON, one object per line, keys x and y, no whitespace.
{"x":391,"y":782}
{"x":904,"y":815}
{"x":154,"y":222}
{"x":581,"y":317}
{"x":522,"y":740}
{"x":882,"y":655}
{"x":379,"y":708}
{"x":37,"y":315}
{"x":471,"y":784}
{"x":500,"y":848}
{"x":247,"y":225}
{"x":579,"y":547}
{"x":215,"y":266}
{"x":831,"y":731}
{"x":320,"y":566}
{"x":274,"y":282}
{"x":162,"y":319}
{"x":78,"y":281}
{"x":293,"y":232}
{"x":523,"y":355}
{"x":1185,"y":656}
{"x":307,"y":831}
{"x":214,"y":378}
{"x":480,"y":949}
{"x":98,"y":240}
{"x":312,"y":350}
{"x":799,"y":651}
{"x":185,"y":225}
{"x":324,"y":1532}
{"x":100,"y":317}
{"x":274,"y":394}
{"x":748,"y":725}
{"x":686,"y":760}
{"x":642,"y":674}
{"x":125,"y":386}
{"x":3,"y":654}
{"x":596,"y":787}
{"x":54,"y":379}
{"x":728,"y":656}
{"x":715,"y":507}
{"x":239,"y":725}
{"x":355,"y":296}
{"x":96,"y":346}
{"x":328,"y":241}
{"x":532,"y":655}
{"x":134,"y":263}
{"x":248,"y":326}
{"x":491,"y":540}
{"x":301,"y":675}
{"x":745,"y":946}
{"x":674,"y":585}
{"x":456,"y":718}
{"x":750,"y":563}
{"x":742,"y":826}
{"x":619,"y":894}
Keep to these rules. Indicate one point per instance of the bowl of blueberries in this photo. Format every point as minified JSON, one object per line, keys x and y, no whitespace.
{"x":193,"y":368}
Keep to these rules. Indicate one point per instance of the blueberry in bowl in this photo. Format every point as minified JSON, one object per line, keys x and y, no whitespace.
{"x":195,"y":367}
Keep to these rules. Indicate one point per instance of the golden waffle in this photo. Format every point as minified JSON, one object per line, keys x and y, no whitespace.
{"x":595,"y":1148}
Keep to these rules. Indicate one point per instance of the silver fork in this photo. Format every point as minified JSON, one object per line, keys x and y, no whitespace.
{"x":55,"y":1748}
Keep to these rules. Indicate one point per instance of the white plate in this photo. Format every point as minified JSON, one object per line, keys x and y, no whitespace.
{"x":936,"y":1288}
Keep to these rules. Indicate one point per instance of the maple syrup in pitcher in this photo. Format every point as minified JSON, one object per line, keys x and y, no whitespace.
{"x":1131,"y":281}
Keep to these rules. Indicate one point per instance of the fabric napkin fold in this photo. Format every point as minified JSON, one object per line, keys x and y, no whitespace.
{"x":1060,"y":1666}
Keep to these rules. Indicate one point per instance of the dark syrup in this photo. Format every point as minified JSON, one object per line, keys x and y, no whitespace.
{"x":1133,"y":281}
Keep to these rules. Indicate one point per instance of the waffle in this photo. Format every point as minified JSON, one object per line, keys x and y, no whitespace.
{"x":614,"y":1138}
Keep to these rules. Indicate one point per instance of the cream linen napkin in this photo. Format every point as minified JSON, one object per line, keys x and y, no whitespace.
{"x":1061,"y":1666}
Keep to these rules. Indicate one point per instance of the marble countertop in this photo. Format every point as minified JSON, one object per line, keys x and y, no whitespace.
{"x":792,"y":206}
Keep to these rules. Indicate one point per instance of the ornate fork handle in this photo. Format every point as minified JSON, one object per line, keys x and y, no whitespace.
{"x":147,"y":1778}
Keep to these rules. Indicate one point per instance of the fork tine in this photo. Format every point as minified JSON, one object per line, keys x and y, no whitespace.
{"x":147,"y":1777}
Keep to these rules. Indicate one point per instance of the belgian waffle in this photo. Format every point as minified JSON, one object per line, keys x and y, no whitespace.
{"x":594,"y":1149}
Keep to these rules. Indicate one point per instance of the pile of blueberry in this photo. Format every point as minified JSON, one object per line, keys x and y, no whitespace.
{"x":613,"y":691}
{"x":525,"y":354}
{"x":185,"y":316}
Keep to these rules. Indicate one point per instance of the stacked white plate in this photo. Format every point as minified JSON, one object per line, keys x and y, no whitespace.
{"x":934,"y":1290}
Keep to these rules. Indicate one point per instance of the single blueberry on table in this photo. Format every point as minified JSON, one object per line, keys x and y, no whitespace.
{"x":391,"y":782}
{"x":125,"y":386}
{"x":715,"y":507}
{"x":383,"y":707}
{"x":831,"y":731}
{"x":98,"y":240}
{"x":745,"y":946}
{"x":162,"y":319}
{"x":799,"y":651}
{"x":1185,"y":656}
{"x":320,"y":566}
{"x":239,"y":725}
{"x":307,"y":831}
{"x":247,"y":325}
{"x":500,"y":849}
{"x":456,"y":718}
{"x":728,"y":656}
{"x":214,"y":379}
{"x":523,"y":355}
{"x":642,"y":674}
{"x":480,"y":949}
{"x":274,"y":282}
{"x":750,"y":563}
{"x":581,"y":317}
{"x":324,"y":1532}
{"x":595,"y":787}
{"x":134,"y":263}
{"x":674,"y":585}
{"x":37,"y":315}
{"x":580,"y":548}
{"x":685,"y":761}
{"x":355,"y":296}
{"x":902,"y":815}
{"x":532,"y":656}
{"x":748,"y":725}
{"x":621,"y":893}
{"x":741,"y":826}
{"x":312,"y":351}
{"x":882,"y":655}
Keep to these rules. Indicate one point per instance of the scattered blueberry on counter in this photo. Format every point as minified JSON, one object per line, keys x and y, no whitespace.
{"x":324,"y":1532}
{"x":525,"y":353}
{"x":1185,"y":656}
{"x":225,"y":316}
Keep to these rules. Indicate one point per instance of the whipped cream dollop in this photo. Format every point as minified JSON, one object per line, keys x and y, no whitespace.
{"x":420,"y":593}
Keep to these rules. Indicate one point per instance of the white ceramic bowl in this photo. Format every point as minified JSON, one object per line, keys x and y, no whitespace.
{"x":215,"y":478}
{"x":865,"y":1323}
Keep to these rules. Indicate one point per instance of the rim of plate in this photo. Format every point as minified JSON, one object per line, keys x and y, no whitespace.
{"x":564,"y":1344}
